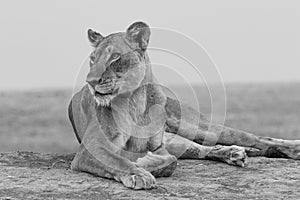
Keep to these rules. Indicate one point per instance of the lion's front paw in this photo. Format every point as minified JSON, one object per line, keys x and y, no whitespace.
{"x":233,"y":155}
{"x":141,"y":179}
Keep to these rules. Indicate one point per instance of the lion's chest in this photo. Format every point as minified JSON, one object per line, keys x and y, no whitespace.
{"x":132,"y":136}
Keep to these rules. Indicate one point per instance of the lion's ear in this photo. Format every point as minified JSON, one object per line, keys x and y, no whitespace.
{"x":94,"y":37}
{"x":139,"y":34}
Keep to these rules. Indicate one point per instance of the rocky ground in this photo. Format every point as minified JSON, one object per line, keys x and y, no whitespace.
{"x":27,"y":175}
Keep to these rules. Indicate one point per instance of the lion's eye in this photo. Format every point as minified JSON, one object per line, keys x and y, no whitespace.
{"x":115,"y":56}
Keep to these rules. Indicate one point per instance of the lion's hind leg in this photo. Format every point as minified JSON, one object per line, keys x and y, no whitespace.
{"x":276,"y":148}
{"x":184,"y":148}
{"x":203,"y":132}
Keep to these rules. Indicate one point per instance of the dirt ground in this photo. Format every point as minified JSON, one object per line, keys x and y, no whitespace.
{"x":27,"y":175}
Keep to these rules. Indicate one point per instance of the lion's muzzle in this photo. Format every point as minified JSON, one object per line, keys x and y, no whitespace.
{"x":105,"y":87}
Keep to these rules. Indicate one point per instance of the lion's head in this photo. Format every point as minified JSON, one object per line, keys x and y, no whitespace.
{"x":118,"y":62}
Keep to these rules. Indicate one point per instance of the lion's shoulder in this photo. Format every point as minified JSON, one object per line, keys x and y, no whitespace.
{"x":79,"y":111}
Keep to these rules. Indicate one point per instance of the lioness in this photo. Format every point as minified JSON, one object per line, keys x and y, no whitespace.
{"x":130,"y":131}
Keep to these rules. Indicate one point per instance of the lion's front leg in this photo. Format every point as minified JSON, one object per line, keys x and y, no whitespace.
{"x":115,"y":167}
{"x":99,"y":156}
{"x":184,"y":148}
{"x":160,"y":163}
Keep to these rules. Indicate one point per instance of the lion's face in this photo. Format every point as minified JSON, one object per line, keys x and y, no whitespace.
{"x":118,"y":63}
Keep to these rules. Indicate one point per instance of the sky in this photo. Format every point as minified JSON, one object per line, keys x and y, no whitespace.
{"x":43,"y":44}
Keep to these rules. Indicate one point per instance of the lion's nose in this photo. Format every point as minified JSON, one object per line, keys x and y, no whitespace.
{"x":94,"y":77}
{"x":93,"y":81}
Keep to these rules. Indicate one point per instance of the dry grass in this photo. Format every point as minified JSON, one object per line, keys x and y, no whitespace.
{"x":37,"y":120}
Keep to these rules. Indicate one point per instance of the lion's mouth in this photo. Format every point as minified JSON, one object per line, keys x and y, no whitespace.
{"x":98,"y":94}
{"x":104,"y":89}
{"x":103,"y":93}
